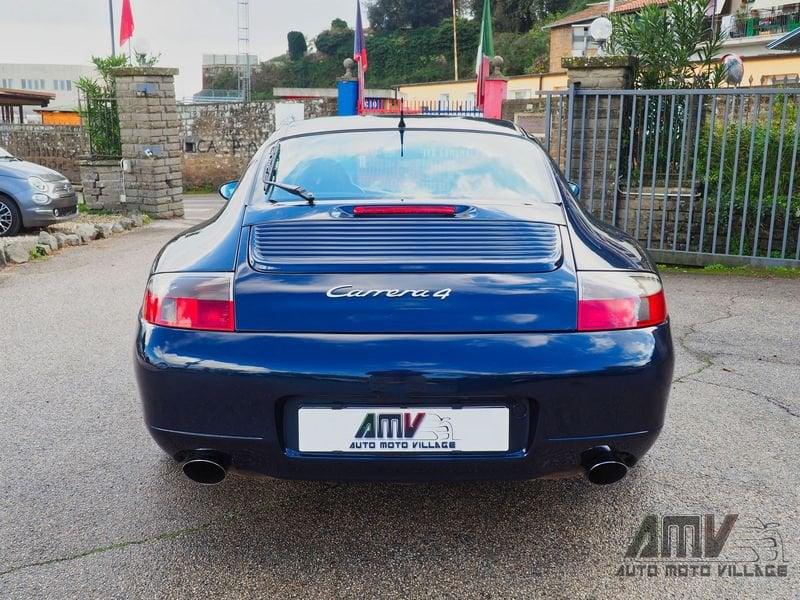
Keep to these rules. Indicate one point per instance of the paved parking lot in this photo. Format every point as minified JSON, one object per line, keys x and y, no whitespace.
{"x":90,"y":508}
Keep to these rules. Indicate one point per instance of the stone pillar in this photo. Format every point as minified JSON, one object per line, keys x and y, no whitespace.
{"x":600,"y":72}
{"x":496,"y":90}
{"x":150,"y":135}
{"x":596,"y":123}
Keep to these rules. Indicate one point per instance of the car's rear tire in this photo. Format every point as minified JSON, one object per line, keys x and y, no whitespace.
{"x":10,"y":218}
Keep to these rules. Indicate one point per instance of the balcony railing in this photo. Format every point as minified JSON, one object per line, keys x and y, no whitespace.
{"x":744,"y":27}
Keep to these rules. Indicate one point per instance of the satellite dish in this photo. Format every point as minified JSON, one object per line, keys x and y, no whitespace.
{"x":600,"y":29}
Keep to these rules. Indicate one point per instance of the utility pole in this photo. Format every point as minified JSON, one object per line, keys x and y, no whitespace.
{"x":111,"y":21}
{"x":455,"y":39}
{"x":243,"y":48}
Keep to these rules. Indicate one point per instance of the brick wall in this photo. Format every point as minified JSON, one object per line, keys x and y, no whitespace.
{"x":560,"y":46}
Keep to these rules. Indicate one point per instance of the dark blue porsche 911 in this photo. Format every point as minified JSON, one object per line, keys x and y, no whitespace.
{"x":403,"y":299}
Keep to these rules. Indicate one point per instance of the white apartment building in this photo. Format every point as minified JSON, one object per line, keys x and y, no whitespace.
{"x":56,"y":79}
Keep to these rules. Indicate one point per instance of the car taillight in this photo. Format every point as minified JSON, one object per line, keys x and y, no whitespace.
{"x":190,"y":301}
{"x":614,"y":300}
{"x":408,"y":210}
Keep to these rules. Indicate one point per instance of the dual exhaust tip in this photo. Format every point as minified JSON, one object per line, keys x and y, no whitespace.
{"x":601,"y":465}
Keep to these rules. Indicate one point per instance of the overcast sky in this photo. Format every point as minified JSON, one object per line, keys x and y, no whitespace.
{"x":70,"y":31}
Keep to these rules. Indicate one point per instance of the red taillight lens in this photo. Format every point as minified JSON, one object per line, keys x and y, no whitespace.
{"x":382,"y":211}
{"x":609,"y":300}
{"x":190,"y":301}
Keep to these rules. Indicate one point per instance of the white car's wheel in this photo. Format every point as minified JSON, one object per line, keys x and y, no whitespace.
{"x":10,"y":219}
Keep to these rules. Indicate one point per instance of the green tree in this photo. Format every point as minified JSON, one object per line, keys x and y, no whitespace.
{"x":297,"y":45}
{"x":676,"y":46}
{"x":520,"y":16}
{"x":226,"y":79}
{"x":336,"y":42}
{"x":523,"y":53}
{"x":394,"y":15}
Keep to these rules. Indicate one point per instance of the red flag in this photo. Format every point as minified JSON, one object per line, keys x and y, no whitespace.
{"x":126,"y":24}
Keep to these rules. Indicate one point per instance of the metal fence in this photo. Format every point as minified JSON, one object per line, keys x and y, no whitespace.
{"x":698,"y":176}
{"x":101,"y":121}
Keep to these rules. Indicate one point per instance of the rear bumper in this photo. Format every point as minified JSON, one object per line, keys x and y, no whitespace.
{"x":237,"y":394}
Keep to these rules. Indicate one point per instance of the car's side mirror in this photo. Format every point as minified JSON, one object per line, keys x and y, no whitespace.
{"x":227,"y":189}
{"x":574,"y":188}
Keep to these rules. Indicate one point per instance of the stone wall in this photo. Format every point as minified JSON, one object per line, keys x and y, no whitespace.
{"x":56,"y":146}
{"x":218,"y":140}
{"x":528,"y":113}
{"x":102,"y":184}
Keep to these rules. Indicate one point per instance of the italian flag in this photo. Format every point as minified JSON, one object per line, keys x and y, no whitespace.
{"x":485,"y":52}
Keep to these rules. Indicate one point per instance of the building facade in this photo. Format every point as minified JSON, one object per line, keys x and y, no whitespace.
{"x":748,"y":28}
{"x":214,"y":64}
{"x":59,"y":80}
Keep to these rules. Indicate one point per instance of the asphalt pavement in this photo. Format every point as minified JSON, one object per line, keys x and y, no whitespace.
{"x":91,"y":508}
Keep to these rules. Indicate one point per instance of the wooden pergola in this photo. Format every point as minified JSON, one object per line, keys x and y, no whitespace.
{"x":12,"y":101}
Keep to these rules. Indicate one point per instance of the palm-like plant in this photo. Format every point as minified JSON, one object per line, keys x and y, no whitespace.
{"x":99,"y":109}
{"x":676,"y":46}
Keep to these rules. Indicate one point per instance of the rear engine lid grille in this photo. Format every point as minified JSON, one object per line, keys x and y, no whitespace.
{"x":419,"y":244}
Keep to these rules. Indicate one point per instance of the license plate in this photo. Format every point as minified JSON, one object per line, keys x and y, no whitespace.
{"x":432,"y":429}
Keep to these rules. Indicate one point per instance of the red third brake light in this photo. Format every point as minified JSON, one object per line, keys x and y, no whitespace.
{"x":190,"y":301}
{"x":615,"y":300}
{"x":411,"y":209}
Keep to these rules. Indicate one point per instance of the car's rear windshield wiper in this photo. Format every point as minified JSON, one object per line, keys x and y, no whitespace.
{"x":296,"y":190}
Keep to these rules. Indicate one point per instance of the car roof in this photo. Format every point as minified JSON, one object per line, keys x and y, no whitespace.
{"x":366,"y":123}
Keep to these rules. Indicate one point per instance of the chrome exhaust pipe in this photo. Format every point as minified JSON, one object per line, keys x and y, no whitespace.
{"x":206,"y":468}
{"x":604,"y":467}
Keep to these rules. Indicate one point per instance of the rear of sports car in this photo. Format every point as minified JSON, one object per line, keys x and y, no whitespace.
{"x":413,"y":341}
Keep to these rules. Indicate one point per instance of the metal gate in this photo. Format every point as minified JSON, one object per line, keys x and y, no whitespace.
{"x":698,"y":176}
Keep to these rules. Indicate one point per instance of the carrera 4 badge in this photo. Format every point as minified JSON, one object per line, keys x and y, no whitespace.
{"x":348,"y":291}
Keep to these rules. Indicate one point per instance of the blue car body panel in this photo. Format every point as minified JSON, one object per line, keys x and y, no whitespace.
{"x":238,"y":393}
{"x":504,"y":335}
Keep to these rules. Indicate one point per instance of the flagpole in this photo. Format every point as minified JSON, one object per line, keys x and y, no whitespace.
{"x":111,"y":21}
{"x":455,"y":41}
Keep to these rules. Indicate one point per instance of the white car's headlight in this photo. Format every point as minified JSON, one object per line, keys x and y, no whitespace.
{"x":38,"y":183}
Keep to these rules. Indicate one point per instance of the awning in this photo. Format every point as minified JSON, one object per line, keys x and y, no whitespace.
{"x":788,"y":41}
{"x":768,"y":4}
{"x":715,"y":7}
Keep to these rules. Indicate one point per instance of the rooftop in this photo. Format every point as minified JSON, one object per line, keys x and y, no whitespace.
{"x":25,"y":97}
{"x":590,"y":13}
{"x":634,"y":5}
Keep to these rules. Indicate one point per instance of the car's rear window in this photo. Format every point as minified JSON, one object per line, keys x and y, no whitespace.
{"x":422,"y":164}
